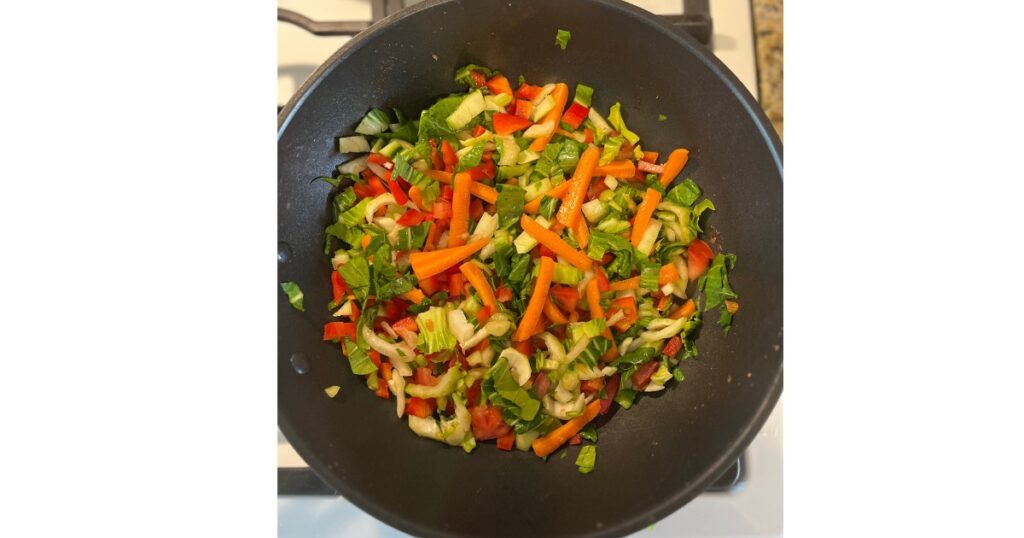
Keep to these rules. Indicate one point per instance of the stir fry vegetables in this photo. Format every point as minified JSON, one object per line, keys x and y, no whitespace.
{"x":509,"y":264}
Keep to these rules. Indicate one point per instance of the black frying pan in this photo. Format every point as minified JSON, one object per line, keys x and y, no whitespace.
{"x":651,"y":459}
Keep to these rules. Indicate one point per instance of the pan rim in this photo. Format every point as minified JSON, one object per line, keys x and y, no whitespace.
{"x":743,"y":436}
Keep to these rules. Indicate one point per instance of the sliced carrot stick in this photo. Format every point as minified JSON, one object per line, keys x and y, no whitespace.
{"x":433,"y":236}
{"x":685,"y":311}
{"x":365,"y":241}
{"x":553,"y":313}
{"x":650,"y":157}
{"x":417,"y":197}
{"x":556,"y":244}
{"x":458,"y":230}
{"x":540,"y":326}
{"x":428,"y":264}
{"x":544,"y":446}
{"x":481,"y":191}
{"x":618,"y":169}
{"x":667,"y":274}
{"x":479,"y":282}
{"x":622,"y":285}
{"x":533,"y":206}
{"x":676,"y":161}
{"x":643,"y":215}
{"x":560,"y":94}
{"x":535,"y":307}
{"x":414,"y":296}
{"x":582,"y":233}
{"x":569,"y":212}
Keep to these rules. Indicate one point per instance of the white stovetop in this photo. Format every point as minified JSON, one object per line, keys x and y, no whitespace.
{"x":754,"y":511}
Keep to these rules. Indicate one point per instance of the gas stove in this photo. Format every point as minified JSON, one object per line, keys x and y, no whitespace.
{"x":746,"y":500}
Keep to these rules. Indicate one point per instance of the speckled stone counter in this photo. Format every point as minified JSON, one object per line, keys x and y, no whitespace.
{"x":768,"y":42}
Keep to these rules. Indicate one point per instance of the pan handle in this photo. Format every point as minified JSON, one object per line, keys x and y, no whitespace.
{"x":695,"y":20}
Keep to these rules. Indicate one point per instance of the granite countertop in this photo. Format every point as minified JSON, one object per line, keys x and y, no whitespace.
{"x":768,"y":42}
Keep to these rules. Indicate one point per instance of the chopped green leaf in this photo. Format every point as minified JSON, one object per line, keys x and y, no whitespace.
{"x":615,"y":118}
{"x":358,"y":359}
{"x":589,"y":432}
{"x":715,"y":283}
{"x":412,"y":238}
{"x":610,"y":150}
{"x":587,"y":459}
{"x":464,"y":74}
{"x":548,"y":206}
{"x":510,"y":204}
{"x":471,"y":158}
{"x":294,"y":294}
{"x":562,"y":38}
{"x":502,"y":390}
{"x":636,"y":357}
{"x":649,"y":274}
{"x":435,"y":334}
{"x":356,"y":273}
{"x":684,"y":194}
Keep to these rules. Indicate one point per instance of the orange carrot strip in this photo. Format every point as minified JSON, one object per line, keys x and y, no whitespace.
{"x":643,"y":215}
{"x":536,"y":305}
{"x":676,"y":161}
{"x":582,"y":233}
{"x":544,"y":446}
{"x":481,"y":191}
{"x":622,"y":285}
{"x":417,"y":197}
{"x":553,"y":313}
{"x":650,"y":157}
{"x":479,"y":282}
{"x":667,"y":274}
{"x":617,"y":169}
{"x":560,"y":94}
{"x":533,"y":206}
{"x":569,"y":212}
{"x":685,"y":311}
{"x":556,"y":244}
{"x":428,"y":264}
{"x":415,"y":296}
{"x":458,"y":230}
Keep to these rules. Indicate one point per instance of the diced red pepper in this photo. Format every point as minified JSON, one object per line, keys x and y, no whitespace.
{"x":481,"y":171}
{"x":643,"y":374}
{"x":447,"y":193}
{"x":375,"y":358}
{"x":602,"y":280}
{"x":430,"y":285}
{"x":629,"y":310}
{"x":355,"y":312}
{"x":524,"y":108}
{"x":504,"y":294}
{"x":541,"y":384}
{"x":455,"y":283}
{"x":435,"y":156}
{"x":610,"y":390}
{"x":406,"y":324}
{"x":528,"y":91}
{"x":334,"y":331}
{"x":506,"y":442}
{"x":567,"y":297}
{"x":487,"y":156}
{"x":575,"y":439}
{"x":448,"y":156}
{"x":442,"y":210}
{"x":412,"y":218}
{"x":499,"y":84}
{"x":487,"y":422}
{"x":381,"y":159}
{"x":420,"y":407}
{"x":377,"y":187}
{"x":484,"y":314}
{"x":400,"y":197}
{"x":423,"y":376}
{"x":338,"y":287}
{"x":592,"y":386}
{"x":473,"y":393}
{"x":394,"y":309}
{"x":505,"y":124}
{"x":596,"y":188}
{"x":476,"y":209}
{"x":525,"y":347}
{"x":362,"y":190}
{"x":588,"y":135}
{"x":478,"y":78}
{"x":673,"y":346}
{"x":545,"y":251}
{"x":478,"y":130}
{"x":698,"y":255}
{"x":575,"y":115}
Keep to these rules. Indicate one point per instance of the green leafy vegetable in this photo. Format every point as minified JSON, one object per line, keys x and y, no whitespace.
{"x":375,"y":122}
{"x":597,"y":347}
{"x":510,"y":204}
{"x":434,"y":120}
{"x":547,"y":165}
{"x":715,"y":282}
{"x":601,"y":242}
{"x":584,"y":95}
{"x":412,"y":238}
{"x":434,"y":332}
{"x":464,"y":76}
{"x":548,"y":206}
{"x":358,"y":359}
{"x":724,"y":319}
{"x":589,"y":432}
{"x":592,"y":328}
{"x":294,"y":294}
{"x":684,"y":194}
{"x":610,"y":150}
{"x":587,"y":459}
{"x":502,"y":390}
{"x":625,"y":398}
{"x":356,"y":273}
{"x":562,"y":38}
{"x":636,"y":357}
{"x":569,"y":155}
{"x":649,"y":274}
{"x":615,"y":118}
{"x":471,"y":158}
{"x":429,"y":189}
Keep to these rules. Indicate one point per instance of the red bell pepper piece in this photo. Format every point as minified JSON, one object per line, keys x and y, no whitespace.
{"x":575,"y":115}
{"x":435,"y":156}
{"x":588,"y":135}
{"x":505,"y":124}
{"x":442,"y":210}
{"x":524,"y":108}
{"x":362,"y":190}
{"x":487,"y":423}
{"x":643,"y":374}
{"x":448,"y":156}
{"x":381,"y":159}
{"x":476,"y":209}
{"x":481,"y":171}
{"x":430,"y":285}
{"x":567,"y":297}
{"x":484,"y":314}
{"x":334,"y":331}
{"x":499,"y":84}
{"x":447,"y":193}
{"x":528,"y":91}
{"x":406,"y":324}
{"x":629,"y":310}
{"x":602,"y":280}
{"x":575,"y":439}
{"x":455,"y":283}
{"x":400,"y":197}
{"x":376,"y":187}
{"x":506,"y":442}
{"x":503,"y":294}
{"x":478,"y":130}
{"x":610,"y":390}
{"x":698,"y":255}
{"x":592,"y":386}
{"x":338,"y":287}
{"x":412,"y":218}
{"x":420,"y":407}
{"x":673,"y":346}
{"x":478,"y":78}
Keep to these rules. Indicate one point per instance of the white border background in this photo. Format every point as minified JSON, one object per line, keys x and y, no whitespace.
{"x":138,"y":234}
